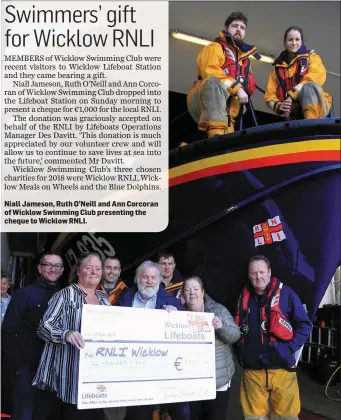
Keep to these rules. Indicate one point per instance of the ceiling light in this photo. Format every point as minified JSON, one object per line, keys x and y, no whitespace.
{"x":202,"y":41}
{"x":190,"y":38}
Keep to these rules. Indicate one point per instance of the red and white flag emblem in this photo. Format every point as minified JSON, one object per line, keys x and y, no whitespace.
{"x":268,"y":232}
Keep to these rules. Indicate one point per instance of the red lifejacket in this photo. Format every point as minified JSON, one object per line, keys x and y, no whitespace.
{"x":273,"y":322}
{"x":285,"y":83}
{"x":232,"y":68}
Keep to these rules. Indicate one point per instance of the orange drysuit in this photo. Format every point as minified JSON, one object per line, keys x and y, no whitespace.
{"x":302,"y":79}
{"x":223,"y":67}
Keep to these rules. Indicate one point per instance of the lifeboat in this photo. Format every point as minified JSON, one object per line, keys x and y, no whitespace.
{"x":272,"y":190}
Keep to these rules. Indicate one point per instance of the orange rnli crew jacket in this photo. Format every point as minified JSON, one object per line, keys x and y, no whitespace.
{"x":115,"y":292}
{"x":305,"y":67}
{"x":229,"y":62}
{"x":215,"y":61}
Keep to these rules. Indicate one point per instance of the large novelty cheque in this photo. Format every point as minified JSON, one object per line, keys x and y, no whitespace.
{"x":145,"y":356}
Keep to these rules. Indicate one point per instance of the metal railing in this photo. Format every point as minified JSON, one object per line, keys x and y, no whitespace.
{"x":321,"y":340}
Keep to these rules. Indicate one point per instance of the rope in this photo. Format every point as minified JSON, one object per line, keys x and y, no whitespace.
{"x":179,"y":116}
{"x":260,"y":89}
{"x":326,"y":389}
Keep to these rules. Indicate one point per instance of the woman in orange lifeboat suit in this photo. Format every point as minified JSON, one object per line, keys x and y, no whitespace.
{"x":294,"y":88}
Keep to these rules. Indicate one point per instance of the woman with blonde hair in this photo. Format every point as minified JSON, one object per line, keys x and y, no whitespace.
{"x":60,"y":329}
{"x":226,"y":333}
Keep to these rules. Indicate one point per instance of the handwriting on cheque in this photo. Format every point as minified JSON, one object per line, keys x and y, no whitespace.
{"x":140,"y":351}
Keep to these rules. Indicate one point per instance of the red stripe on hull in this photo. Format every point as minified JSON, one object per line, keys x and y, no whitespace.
{"x":315,"y":156}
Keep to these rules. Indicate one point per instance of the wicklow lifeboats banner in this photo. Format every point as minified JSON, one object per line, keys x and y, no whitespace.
{"x":145,"y":356}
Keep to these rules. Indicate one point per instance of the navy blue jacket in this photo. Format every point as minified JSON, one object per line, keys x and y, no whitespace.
{"x":162,"y":298}
{"x":255,"y":355}
{"x":21,"y":345}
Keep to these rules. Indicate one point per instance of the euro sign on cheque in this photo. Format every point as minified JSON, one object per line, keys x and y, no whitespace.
{"x":136,"y":357}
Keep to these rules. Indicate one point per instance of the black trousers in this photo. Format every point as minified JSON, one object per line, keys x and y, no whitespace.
{"x":6,"y":389}
{"x":211,"y":409}
{"x":23,"y":394}
{"x":70,"y":412}
{"x":47,"y":406}
{"x":31,"y":403}
{"x":177,"y":411}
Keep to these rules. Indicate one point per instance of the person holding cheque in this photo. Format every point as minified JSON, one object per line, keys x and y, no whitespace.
{"x":60,"y":329}
{"x":226,"y":333}
{"x":148,"y":294}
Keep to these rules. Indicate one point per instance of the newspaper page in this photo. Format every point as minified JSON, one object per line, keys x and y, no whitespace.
{"x":84,"y":116}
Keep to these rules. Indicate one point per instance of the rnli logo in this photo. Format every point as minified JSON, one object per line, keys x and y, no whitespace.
{"x":198,"y":323}
{"x":268,"y":232}
{"x":101,"y":388}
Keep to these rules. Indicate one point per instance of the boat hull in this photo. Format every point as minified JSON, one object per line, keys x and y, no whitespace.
{"x":271,"y":190}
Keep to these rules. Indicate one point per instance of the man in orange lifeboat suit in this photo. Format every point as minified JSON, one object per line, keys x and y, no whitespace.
{"x":294,"y":88}
{"x":225,"y":80}
{"x":274,"y":325}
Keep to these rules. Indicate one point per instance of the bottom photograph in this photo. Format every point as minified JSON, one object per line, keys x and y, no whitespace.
{"x":242,"y":292}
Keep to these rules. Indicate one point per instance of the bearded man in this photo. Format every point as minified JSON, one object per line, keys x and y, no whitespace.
{"x":225,"y":81}
{"x":148,"y":294}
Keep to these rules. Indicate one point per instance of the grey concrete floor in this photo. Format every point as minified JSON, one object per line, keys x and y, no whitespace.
{"x":312,"y":397}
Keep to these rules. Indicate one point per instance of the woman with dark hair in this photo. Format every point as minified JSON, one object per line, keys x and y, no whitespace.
{"x":294,"y":88}
{"x":60,"y":329}
{"x":226,"y":333}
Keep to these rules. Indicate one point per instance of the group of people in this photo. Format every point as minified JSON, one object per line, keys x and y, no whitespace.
{"x":226,"y":82}
{"x":41,"y":338}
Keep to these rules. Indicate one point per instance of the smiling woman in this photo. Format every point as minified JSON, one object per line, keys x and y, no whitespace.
{"x":89,"y":273}
{"x":226,"y":333}
{"x":60,"y":329}
{"x":294,"y":88}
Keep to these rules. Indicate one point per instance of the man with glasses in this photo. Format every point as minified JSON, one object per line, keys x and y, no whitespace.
{"x":21,"y":345}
